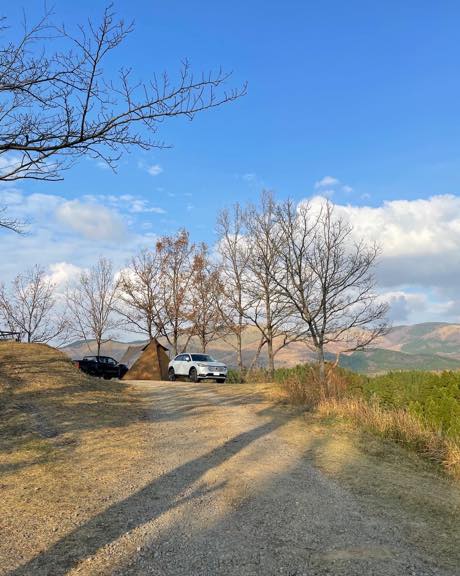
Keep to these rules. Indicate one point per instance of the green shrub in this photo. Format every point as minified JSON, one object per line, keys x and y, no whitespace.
{"x":235,"y":376}
{"x":433,"y":397}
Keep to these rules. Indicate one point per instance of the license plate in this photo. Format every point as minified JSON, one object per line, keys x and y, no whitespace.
{"x":216,"y":373}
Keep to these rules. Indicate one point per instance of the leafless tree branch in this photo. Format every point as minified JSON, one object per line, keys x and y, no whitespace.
{"x":57,"y":106}
{"x":29,"y":307}
{"x":92,"y":302}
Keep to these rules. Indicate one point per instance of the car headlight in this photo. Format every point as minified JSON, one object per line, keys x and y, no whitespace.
{"x":202,"y":365}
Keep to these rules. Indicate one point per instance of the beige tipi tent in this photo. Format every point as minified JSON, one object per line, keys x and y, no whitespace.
{"x":147,"y":362}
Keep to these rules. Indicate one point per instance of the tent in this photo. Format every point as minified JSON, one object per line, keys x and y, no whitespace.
{"x":132,"y":354}
{"x":146,"y":362}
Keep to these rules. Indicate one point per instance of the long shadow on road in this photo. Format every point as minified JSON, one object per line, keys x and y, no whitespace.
{"x":143,"y":506}
{"x":295,"y":520}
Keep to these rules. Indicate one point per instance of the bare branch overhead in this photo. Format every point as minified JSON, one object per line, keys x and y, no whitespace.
{"x":56,"y":106}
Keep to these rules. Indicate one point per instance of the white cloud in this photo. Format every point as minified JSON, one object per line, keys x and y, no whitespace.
{"x":409,"y":227}
{"x":326,"y":182}
{"x":405,"y":306}
{"x":60,"y":273}
{"x":9,"y":163}
{"x":33,"y":207}
{"x":418,"y":271}
{"x":93,"y":221}
{"x":154,"y":169}
{"x":103,"y":165}
{"x":10,"y":197}
{"x":328,"y":185}
{"x":419,"y":240}
{"x":125,"y":202}
{"x":142,"y":206}
{"x":66,"y":236}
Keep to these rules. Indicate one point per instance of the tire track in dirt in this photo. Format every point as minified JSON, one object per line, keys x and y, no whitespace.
{"x":233,"y":489}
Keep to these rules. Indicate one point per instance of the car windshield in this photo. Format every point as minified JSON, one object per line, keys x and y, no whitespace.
{"x":202,"y":358}
{"x":107,"y":360}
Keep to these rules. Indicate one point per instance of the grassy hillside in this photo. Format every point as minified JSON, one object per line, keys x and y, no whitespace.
{"x":43,"y":395}
{"x":380,"y":360}
{"x":443,"y":339}
{"x":67,"y":441}
{"x":427,"y":338}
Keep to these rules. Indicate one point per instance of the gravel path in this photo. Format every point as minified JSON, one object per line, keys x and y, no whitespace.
{"x":233,"y":490}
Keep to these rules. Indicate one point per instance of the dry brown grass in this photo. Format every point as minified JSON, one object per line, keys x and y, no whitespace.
{"x":296,"y":392}
{"x":46,"y":401}
{"x":67,"y":442}
{"x":396,"y":425}
{"x":303,"y":387}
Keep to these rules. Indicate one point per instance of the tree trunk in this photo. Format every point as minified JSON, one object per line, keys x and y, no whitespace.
{"x":239,"y":351}
{"x":176,"y":342}
{"x":271,"y":358}
{"x":98,"y":347}
{"x":322,"y":370}
{"x":256,"y":357}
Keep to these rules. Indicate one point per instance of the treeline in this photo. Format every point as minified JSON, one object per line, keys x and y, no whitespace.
{"x":293,"y":271}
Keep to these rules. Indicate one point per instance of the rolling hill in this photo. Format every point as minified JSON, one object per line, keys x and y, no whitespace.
{"x":379,"y":360}
{"x":427,"y":346}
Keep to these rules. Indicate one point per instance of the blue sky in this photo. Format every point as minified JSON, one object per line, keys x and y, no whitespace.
{"x":365,"y":93}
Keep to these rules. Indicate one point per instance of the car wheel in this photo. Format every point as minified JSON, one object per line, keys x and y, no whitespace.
{"x":220,"y":380}
{"x":193,"y":375}
{"x":171,"y":375}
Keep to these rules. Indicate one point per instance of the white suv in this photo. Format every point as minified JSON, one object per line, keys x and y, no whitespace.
{"x":197,"y":367}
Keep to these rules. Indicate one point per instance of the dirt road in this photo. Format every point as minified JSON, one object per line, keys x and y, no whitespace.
{"x":232,"y":485}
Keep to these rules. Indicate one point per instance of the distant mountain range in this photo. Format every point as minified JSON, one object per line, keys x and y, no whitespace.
{"x":428,"y":346}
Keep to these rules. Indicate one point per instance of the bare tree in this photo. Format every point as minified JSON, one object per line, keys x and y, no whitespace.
{"x":234,"y":253}
{"x":29,"y":307}
{"x":176,"y":253}
{"x":59,"y":105}
{"x":268,"y":308}
{"x":328,"y":278}
{"x":91,"y":304}
{"x":140,"y":295}
{"x":206,"y":293}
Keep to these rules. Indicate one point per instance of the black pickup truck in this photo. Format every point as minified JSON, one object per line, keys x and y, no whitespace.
{"x":102,"y":367}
